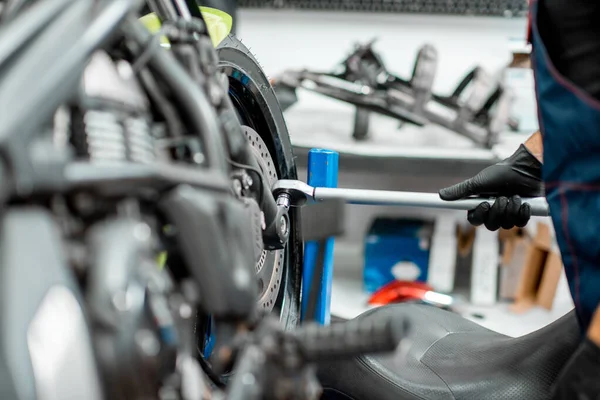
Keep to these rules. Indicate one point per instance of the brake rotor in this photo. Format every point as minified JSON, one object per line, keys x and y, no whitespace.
{"x":269,"y":268}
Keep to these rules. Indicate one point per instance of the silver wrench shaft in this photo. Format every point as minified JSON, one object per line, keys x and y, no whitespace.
{"x":539,"y":206}
{"x":301,"y":192}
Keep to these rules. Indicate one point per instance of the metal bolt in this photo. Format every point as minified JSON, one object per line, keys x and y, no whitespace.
{"x":283,"y":226}
{"x":237,"y":187}
{"x":185,"y":311}
{"x":283,"y":200}
{"x":248,"y":181}
{"x":198,"y":158}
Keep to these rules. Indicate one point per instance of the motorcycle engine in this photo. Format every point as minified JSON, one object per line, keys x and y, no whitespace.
{"x":142,"y":322}
{"x":111,"y":122}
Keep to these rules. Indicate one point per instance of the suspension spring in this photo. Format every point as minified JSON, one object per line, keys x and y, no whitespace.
{"x":110,"y":137}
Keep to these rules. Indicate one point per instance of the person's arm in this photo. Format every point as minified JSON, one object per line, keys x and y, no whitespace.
{"x":593,"y":332}
{"x":535,"y":146}
{"x":519,"y":175}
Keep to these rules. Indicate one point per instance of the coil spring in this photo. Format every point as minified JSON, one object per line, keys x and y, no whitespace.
{"x":112,"y":138}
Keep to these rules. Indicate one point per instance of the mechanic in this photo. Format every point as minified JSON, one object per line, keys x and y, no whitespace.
{"x":565,"y":37}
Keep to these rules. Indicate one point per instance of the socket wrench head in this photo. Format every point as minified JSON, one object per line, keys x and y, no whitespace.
{"x":298,"y":192}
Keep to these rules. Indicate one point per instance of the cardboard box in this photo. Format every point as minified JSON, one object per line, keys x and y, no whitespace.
{"x":540,"y":274}
{"x":475,"y":259}
{"x":463,"y":262}
{"x":515,"y":244}
{"x":551,"y":276}
{"x":519,"y":265}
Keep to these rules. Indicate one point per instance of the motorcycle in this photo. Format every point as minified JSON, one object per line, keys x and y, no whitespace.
{"x":136,"y":213}
{"x":136,"y":208}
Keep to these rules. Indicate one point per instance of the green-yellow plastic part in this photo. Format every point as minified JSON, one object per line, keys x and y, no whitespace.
{"x":218,"y":23}
{"x":161,"y":260}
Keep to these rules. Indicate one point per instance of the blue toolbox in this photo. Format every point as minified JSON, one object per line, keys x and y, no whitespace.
{"x":396,"y":249}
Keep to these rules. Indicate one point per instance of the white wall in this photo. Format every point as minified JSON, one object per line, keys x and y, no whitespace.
{"x":319,"y":40}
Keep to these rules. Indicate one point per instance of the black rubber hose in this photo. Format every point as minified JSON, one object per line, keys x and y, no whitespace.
{"x":164,"y":107}
{"x":199,"y":113}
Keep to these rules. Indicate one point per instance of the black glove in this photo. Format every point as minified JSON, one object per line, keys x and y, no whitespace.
{"x":518,"y":175}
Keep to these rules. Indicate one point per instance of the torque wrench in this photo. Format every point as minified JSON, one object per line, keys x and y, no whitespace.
{"x":300,"y":193}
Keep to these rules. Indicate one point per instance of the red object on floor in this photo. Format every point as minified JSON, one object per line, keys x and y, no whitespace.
{"x":399,"y":291}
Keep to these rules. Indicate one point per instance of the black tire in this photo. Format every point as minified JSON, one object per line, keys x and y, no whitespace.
{"x":258,"y":108}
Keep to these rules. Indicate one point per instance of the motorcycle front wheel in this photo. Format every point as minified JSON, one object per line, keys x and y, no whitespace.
{"x":261,"y":116}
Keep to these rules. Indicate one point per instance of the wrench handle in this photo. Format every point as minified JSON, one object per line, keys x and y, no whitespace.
{"x":539,"y":206}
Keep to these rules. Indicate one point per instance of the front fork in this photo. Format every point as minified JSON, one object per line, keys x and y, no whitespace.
{"x":193,"y":48}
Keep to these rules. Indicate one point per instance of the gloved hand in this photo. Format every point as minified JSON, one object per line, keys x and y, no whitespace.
{"x":518,"y":175}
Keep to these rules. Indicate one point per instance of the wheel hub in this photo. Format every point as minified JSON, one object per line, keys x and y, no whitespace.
{"x":269,"y":268}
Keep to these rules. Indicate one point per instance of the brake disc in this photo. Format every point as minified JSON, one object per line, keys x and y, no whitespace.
{"x":269,"y":268}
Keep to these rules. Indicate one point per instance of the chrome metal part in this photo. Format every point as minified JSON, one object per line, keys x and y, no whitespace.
{"x":114,"y":117}
{"x":298,"y":192}
{"x":105,"y":137}
{"x":301,"y":192}
{"x":140,"y":142}
{"x":116,"y":138}
{"x":107,"y":80}
{"x":269,"y":269}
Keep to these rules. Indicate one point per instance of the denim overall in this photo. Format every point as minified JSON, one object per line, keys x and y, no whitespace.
{"x":570,"y":124}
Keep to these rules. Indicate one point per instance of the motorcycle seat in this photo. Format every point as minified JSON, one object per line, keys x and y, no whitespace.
{"x":449,"y":357}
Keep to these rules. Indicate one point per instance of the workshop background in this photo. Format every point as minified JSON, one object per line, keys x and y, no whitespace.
{"x":509,"y":281}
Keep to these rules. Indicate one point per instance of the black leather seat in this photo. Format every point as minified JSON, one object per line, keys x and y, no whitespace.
{"x":449,"y":357}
